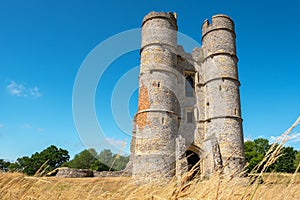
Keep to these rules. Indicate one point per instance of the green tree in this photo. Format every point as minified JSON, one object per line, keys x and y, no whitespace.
{"x":262,"y":145}
{"x":83,"y":160}
{"x":104,"y":161}
{"x":120,"y":162}
{"x":98,"y":166}
{"x":52,"y":157}
{"x":115,"y":162}
{"x":255,"y":152}
{"x":297,"y":160}
{"x":87,"y":159}
{"x":20,"y":165}
{"x":286,"y":161}
{"x":4,"y":165}
{"x":56,"y":157}
{"x":106,"y":157}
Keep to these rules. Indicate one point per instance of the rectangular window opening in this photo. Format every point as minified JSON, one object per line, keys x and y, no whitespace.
{"x":189,"y":84}
{"x":190,"y":116}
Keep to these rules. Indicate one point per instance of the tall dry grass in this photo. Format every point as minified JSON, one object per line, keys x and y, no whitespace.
{"x":260,"y":185}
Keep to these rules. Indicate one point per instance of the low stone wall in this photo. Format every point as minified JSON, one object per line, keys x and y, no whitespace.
{"x":111,"y":174}
{"x":74,"y":173}
{"x":66,"y":172}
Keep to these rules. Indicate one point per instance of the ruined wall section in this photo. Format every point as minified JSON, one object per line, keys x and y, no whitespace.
{"x":223,"y":140}
{"x":185,"y":67}
{"x":157,"y":119}
{"x":200,"y":97}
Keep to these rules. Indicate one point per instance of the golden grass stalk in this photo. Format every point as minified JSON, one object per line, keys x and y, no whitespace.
{"x":275,"y":186}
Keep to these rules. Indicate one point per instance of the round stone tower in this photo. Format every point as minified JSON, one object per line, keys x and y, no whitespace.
{"x":157,"y":118}
{"x":223,"y":122}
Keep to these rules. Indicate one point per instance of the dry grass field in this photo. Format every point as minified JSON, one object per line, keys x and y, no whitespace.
{"x":263,"y":186}
{"x":274,"y":186}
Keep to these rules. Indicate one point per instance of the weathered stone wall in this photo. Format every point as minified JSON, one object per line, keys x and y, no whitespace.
{"x":222,"y":100}
{"x":157,"y":116}
{"x":111,"y":174}
{"x":185,"y":67}
{"x":161,"y":130}
{"x":181,"y":161}
{"x":66,"y":172}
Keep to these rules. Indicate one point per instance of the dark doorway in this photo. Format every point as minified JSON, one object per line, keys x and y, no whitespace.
{"x":193,"y":159}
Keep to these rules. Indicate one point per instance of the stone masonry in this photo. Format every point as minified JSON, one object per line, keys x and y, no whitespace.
{"x":189,"y":103}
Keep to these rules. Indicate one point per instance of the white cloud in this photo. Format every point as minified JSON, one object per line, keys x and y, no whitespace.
{"x":118,"y":143}
{"x":295,"y":137}
{"x":40,"y":129}
{"x":15,"y":89}
{"x":273,"y":139}
{"x":37,"y":129}
{"x":22,"y":90}
{"x":26,"y":126}
{"x":247,"y":138}
{"x":35,"y":92}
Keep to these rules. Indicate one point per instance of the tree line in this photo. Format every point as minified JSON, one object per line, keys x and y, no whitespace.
{"x":53,"y":157}
{"x":287,"y":161}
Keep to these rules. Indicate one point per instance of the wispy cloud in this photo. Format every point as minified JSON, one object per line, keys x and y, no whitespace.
{"x":1,"y":125}
{"x":40,"y":129}
{"x":295,"y":137}
{"x":247,"y":138}
{"x":22,"y":90}
{"x":26,"y":126}
{"x":118,"y":143}
{"x":29,"y":126}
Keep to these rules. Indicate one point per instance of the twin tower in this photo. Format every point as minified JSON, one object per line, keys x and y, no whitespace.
{"x":189,"y":103}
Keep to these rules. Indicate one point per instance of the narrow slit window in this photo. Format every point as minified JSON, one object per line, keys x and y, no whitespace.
{"x":158,"y":84}
{"x":162,"y":120}
{"x":189,"y":86}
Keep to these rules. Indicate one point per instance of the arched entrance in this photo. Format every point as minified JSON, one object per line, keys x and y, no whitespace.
{"x":193,"y":160}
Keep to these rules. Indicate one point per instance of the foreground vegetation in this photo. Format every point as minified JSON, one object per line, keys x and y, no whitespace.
{"x":258,"y":184}
{"x":18,"y":186}
{"x":52,"y":157}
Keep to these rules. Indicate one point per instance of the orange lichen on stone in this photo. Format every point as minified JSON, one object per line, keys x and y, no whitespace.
{"x":143,"y":104}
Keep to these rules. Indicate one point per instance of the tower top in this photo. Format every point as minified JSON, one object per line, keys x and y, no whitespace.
{"x":171,"y":17}
{"x":219,"y":21}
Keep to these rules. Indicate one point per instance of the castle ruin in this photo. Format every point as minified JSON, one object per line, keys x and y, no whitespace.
{"x":189,"y":103}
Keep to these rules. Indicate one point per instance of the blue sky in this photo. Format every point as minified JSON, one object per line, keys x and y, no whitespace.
{"x":44,"y":43}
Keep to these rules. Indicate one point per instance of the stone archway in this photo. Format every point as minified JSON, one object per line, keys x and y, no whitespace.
{"x":192,"y":157}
